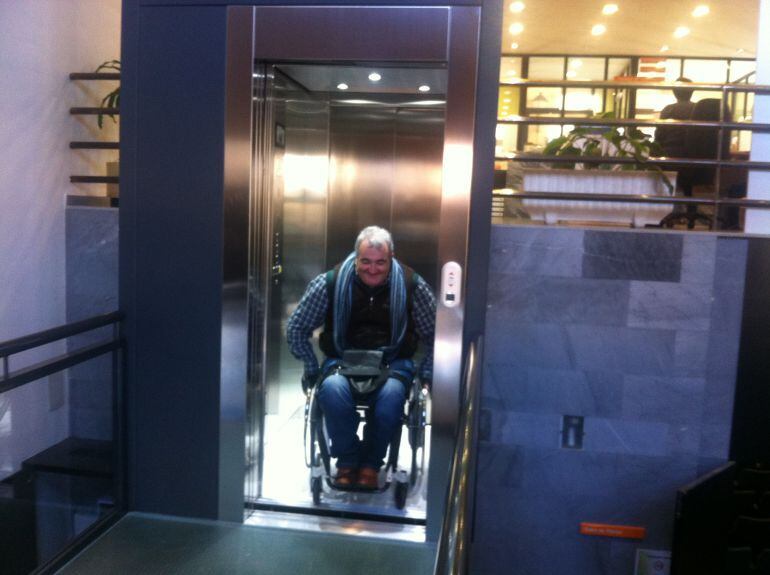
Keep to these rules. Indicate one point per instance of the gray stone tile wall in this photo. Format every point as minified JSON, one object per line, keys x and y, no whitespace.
{"x":92,"y":289}
{"x":638,"y":333}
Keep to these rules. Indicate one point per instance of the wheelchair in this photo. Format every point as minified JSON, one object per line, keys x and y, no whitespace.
{"x":317,"y":446}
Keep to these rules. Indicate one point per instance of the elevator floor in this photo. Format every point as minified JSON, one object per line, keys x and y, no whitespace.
{"x":286,"y":479}
{"x":151,"y":544}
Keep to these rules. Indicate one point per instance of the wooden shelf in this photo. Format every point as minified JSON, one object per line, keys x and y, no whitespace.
{"x":95,"y":145}
{"x":95,"y":111}
{"x":95,"y":76}
{"x":95,"y":179}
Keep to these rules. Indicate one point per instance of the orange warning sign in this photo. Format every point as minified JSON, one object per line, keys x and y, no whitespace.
{"x":604,"y":530}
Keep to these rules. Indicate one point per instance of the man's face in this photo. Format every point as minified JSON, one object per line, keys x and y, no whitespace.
{"x":373,"y":264}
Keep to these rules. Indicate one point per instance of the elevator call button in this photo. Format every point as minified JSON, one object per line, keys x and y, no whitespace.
{"x":451,"y":284}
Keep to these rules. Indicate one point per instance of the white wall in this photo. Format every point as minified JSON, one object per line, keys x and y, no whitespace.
{"x":41,"y":42}
{"x":758,"y":221}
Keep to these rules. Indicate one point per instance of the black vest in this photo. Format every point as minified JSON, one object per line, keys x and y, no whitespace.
{"x":369,"y":324}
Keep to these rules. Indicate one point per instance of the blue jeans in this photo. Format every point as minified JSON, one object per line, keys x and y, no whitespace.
{"x":338,"y":404}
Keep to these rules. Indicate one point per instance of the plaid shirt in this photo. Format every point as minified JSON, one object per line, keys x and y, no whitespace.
{"x":311,"y":314}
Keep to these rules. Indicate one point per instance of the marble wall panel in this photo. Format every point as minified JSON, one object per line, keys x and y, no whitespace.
{"x":92,"y":289}
{"x":663,"y":399}
{"x":655,"y":388}
{"x":691,"y":349}
{"x":666,"y":305}
{"x":627,"y":350}
{"x":698,"y":262}
{"x":538,"y":252}
{"x":539,"y":345}
{"x":632,"y":256}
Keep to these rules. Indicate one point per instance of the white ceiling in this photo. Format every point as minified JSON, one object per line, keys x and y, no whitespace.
{"x":640,"y":27}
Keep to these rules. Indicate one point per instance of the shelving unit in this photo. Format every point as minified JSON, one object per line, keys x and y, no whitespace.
{"x":95,"y":145}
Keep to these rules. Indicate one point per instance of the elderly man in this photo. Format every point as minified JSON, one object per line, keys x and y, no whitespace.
{"x":370,"y":305}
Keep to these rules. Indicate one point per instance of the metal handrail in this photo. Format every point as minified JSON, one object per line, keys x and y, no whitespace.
{"x":722,"y":126}
{"x":452,"y":556}
{"x":114,"y":346}
{"x":729,"y":87}
{"x":10,"y":380}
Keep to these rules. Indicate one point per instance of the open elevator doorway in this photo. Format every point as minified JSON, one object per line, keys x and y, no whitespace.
{"x":335,"y":148}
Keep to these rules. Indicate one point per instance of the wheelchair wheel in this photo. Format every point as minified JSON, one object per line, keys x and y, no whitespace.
{"x":316,"y":479}
{"x":316,"y":486}
{"x":402,"y":489}
{"x":413,"y":469}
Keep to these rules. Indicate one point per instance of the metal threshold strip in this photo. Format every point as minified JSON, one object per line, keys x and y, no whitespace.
{"x":336,"y":513}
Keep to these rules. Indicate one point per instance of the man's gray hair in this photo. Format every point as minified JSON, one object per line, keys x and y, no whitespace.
{"x":377,"y":238}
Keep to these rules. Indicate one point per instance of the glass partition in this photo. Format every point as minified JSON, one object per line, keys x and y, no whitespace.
{"x":60,"y":446}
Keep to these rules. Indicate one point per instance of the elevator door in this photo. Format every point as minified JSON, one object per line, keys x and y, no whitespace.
{"x":413,"y":39}
{"x":287,"y":250}
{"x":326,"y":165}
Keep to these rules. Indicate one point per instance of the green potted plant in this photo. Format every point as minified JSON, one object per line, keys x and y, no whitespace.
{"x":637,"y":178}
{"x":110,"y":101}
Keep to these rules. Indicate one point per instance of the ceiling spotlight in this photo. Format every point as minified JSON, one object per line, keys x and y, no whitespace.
{"x":598,"y":29}
{"x":740,"y":51}
{"x":342,"y":86}
{"x":575,"y":63}
{"x":700,"y":10}
{"x":609,"y":9}
{"x":375,"y":77}
{"x":571,"y":73}
{"x":424,"y":88}
{"x":514,"y":45}
{"x":516,"y":28}
{"x":681,"y":32}
{"x":664,"y":48}
{"x":517,"y":7}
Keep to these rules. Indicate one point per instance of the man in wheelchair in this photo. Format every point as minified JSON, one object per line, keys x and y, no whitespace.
{"x":374,"y":310}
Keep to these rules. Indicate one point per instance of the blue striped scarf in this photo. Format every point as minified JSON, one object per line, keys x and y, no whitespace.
{"x":343,"y":300}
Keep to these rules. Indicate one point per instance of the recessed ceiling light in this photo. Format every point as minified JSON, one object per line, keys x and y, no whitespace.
{"x":609,"y":9}
{"x":598,"y":29}
{"x":424,"y":88}
{"x":375,"y":77}
{"x":664,"y":48}
{"x":516,"y":28}
{"x":575,"y":63}
{"x":507,"y":101}
{"x":514,"y":45}
{"x":571,"y":73}
{"x":342,"y":86}
{"x":700,"y":10}
{"x":517,"y":7}
{"x":681,"y":32}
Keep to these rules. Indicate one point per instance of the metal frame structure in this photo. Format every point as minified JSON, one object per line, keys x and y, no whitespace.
{"x":409,"y":35}
{"x":720,"y":162}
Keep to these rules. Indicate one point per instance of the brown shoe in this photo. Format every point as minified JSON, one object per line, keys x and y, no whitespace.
{"x":346,"y":476}
{"x":368,"y":478}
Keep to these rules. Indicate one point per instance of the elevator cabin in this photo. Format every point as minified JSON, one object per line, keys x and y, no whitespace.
{"x":357,"y":117}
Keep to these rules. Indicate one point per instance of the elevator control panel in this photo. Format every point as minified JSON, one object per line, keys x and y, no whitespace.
{"x":451,"y":284}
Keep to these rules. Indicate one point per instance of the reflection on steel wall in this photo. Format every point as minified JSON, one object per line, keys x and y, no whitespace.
{"x":385,"y":170}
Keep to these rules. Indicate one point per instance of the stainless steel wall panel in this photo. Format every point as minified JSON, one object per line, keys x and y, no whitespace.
{"x":235,"y":310}
{"x":416,"y":195}
{"x":453,"y":247}
{"x":361,"y":174}
{"x":361,"y":33}
{"x":386,"y":171}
